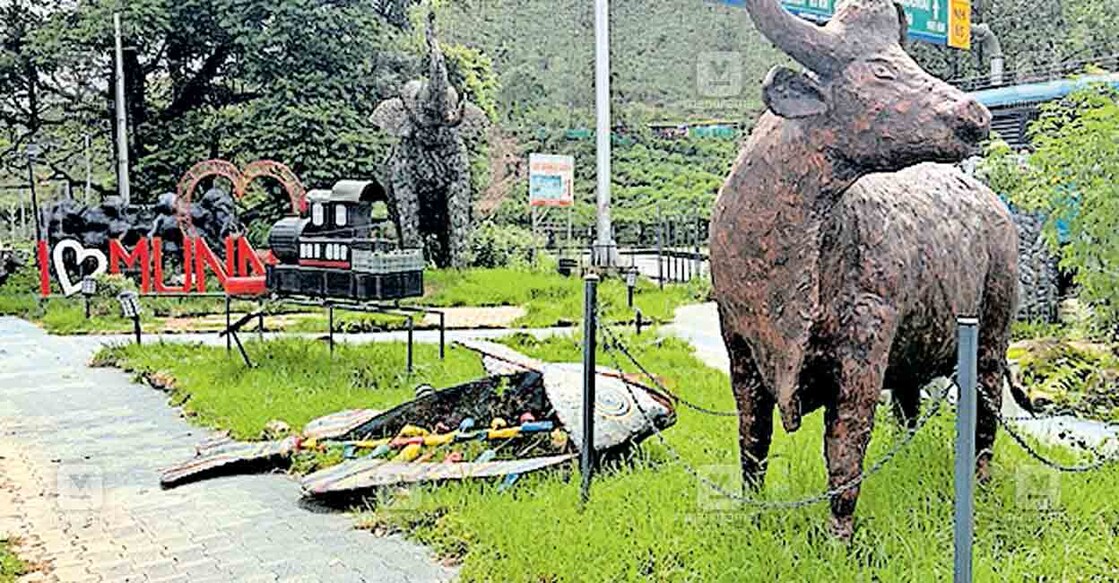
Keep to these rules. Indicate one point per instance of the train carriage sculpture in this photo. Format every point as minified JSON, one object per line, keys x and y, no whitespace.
{"x":334,"y":251}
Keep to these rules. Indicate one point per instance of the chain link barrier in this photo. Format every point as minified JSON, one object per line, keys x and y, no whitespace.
{"x":1100,"y":462}
{"x":612,"y":343}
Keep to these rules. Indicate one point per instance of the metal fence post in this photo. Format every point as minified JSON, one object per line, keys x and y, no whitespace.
{"x":697,"y":263}
{"x":411,"y":327}
{"x":660,"y":248}
{"x":442,"y":335}
{"x":586,"y":462}
{"x":968,"y":334}
{"x":330,"y":327}
{"x":228,"y":322}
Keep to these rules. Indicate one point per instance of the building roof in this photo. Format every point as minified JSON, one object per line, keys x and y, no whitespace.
{"x":1029,"y":93}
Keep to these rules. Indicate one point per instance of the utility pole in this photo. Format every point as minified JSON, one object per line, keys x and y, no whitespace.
{"x":122,"y":122}
{"x":88,"y":169}
{"x":33,"y":151}
{"x":605,"y":250}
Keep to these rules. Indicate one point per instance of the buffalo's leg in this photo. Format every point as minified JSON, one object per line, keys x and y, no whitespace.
{"x":755,"y":416}
{"x":849,"y":418}
{"x":994,"y":339}
{"x":755,"y":406}
{"x":905,"y":398}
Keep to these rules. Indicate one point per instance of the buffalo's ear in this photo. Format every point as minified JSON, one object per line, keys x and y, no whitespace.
{"x":790,"y":94}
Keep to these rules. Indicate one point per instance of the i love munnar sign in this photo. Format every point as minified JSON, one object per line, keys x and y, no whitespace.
{"x":240,"y":273}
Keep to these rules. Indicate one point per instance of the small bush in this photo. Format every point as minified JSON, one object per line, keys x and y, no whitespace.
{"x":495,"y":245}
{"x":1065,"y":376}
{"x":110,"y":285}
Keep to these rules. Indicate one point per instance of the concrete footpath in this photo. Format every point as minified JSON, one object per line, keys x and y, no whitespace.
{"x":80,"y":455}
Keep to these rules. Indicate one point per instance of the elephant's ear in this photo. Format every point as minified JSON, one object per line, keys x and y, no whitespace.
{"x":473,"y":121}
{"x":392,"y":117}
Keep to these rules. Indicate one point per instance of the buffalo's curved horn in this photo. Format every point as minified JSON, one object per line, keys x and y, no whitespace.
{"x":814,"y":47}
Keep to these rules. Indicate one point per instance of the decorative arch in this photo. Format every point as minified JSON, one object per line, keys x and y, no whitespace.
{"x":241,"y":181}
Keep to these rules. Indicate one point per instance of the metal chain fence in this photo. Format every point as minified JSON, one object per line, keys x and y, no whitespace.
{"x":612,"y":345}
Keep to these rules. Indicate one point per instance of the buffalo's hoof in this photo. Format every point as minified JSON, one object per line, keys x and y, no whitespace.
{"x":842,"y":527}
{"x":983,"y":470}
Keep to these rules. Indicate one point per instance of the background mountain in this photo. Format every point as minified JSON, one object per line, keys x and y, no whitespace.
{"x":295,"y":80}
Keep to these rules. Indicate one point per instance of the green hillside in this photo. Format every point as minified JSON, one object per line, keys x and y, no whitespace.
{"x":543,"y":53}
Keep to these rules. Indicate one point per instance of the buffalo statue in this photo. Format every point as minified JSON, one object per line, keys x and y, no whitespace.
{"x":843,"y":247}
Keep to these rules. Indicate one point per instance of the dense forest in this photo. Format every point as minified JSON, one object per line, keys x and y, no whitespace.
{"x":296,"y":81}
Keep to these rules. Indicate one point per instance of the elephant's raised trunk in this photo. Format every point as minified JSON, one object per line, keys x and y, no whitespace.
{"x":435,"y":102}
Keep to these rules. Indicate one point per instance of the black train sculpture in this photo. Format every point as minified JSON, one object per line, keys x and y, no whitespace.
{"x":333,"y":253}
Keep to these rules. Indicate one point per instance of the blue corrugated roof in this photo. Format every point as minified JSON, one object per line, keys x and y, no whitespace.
{"x":1039,"y":92}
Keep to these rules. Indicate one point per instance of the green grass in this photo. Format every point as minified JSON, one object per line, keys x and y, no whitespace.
{"x":647,"y":518}
{"x":295,"y":380}
{"x":548,"y":298}
{"x":10,"y":565}
{"x":551,"y":299}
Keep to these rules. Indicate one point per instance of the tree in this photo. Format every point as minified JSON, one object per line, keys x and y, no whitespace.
{"x":293,"y":80}
{"x":1073,"y":178}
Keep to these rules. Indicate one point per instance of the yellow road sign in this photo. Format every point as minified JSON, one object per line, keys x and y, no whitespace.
{"x":959,"y":24}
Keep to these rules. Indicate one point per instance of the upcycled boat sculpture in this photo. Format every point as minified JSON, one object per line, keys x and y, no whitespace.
{"x":418,"y":440}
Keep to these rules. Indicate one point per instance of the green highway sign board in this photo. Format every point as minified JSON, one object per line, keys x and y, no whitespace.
{"x":943,"y":22}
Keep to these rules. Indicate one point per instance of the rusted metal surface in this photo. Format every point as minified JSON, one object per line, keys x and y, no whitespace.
{"x":519,"y":386}
{"x":241,"y":180}
{"x":366,"y":474}
{"x":338,"y":425}
{"x":839,"y":260}
{"x":230,"y":457}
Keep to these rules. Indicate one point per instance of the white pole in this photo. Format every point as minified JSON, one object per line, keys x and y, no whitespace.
{"x":88,"y":170}
{"x":605,"y":251}
{"x":122,"y":122}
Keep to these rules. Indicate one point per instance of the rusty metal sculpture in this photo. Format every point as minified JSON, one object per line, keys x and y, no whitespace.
{"x":241,"y":181}
{"x":429,"y":169}
{"x":840,"y":256}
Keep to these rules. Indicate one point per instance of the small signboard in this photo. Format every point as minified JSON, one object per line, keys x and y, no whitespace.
{"x":551,"y":180}
{"x":959,"y":24}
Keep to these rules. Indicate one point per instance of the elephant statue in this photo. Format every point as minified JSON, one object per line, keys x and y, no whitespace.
{"x":429,"y":168}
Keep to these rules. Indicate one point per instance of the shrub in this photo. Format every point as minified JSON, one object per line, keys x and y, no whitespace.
{"x":495,"y":245}
{"x":111,"y":285}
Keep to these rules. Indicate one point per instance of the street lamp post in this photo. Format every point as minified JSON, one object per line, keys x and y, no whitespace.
{"x":122,"y":120}
{"x":88,"y":169}
{"x":32,"y":152}
{"x":604,"y":251}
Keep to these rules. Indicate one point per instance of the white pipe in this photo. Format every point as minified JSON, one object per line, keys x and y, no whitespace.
{"x":605,"y":252}
{"x":992,"y":47}
{"x":122,"y":120}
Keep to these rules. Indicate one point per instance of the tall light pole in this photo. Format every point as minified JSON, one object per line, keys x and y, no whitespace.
{"x":122,"y":121}
{"x":88,"y":169}
{"x":605,"y":251}
{"x":32,"y":152}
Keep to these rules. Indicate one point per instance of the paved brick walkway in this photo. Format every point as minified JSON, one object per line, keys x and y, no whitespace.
{"x":80,"y":453}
